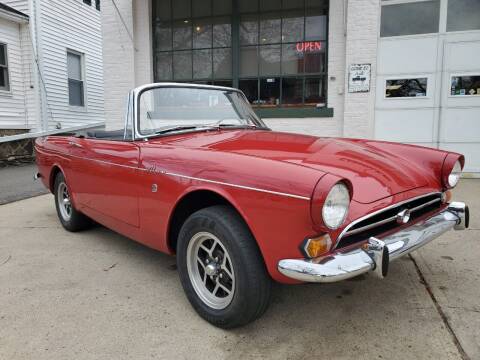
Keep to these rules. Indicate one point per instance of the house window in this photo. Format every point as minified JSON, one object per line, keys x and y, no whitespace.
{"x":4,"y":81}
{"x":75,"y":78}
{"x":273,"y":50}
{"x":410,"y":18}
{"x":88,"y":2}
{"x":97,"y":5}
{"x":406,"y":88}
{"x":465,"y":85}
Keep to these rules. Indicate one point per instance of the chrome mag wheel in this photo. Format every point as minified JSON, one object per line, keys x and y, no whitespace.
{"x":210,"y":270}
{"x":64,"y":202}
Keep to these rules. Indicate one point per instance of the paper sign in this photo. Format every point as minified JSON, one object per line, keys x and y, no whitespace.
{"x":359,"y":78}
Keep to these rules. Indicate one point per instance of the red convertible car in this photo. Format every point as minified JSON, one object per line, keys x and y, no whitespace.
{"x":196,"y":173}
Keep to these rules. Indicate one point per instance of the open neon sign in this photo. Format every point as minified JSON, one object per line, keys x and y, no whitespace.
{"x":308,"y":46}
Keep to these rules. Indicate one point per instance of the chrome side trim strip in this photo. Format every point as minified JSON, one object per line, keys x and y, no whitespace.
{"x":107,"y":162}
{"x":200,"y":179}
{"x":240,"y":186}
{"x":354,"y":222}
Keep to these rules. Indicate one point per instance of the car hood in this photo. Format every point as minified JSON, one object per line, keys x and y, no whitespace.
{"x":374,"y":173}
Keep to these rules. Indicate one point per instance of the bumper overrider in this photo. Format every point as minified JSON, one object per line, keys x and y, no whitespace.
{"x":376,"y":254}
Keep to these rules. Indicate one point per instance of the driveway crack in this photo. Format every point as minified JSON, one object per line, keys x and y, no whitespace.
{"x":444,"y":318}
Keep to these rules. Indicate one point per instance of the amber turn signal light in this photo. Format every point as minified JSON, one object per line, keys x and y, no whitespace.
{"x":317,"y":246}
{"x":446,"y":196}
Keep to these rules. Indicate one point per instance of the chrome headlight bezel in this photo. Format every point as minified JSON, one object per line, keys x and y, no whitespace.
{"x":454,"y":176}
{"x":336,"y":206}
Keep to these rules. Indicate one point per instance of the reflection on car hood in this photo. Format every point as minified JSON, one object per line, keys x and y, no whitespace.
{"x":374,"y":173}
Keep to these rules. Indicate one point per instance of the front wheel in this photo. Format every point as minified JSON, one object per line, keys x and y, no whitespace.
{"x":221,"y":268}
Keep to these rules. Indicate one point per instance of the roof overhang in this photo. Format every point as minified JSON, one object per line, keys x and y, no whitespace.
{"x":13,"y":16}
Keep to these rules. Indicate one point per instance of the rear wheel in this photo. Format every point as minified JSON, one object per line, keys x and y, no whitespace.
{"x":221,"y":268}
{"x":71,"y":219}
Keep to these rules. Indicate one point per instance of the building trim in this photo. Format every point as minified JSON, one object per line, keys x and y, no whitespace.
{"x":294,"y":112}
{"x":9,"y":13}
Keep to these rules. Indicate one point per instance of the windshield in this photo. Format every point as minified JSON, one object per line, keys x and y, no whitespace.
{"x":163,"y":109}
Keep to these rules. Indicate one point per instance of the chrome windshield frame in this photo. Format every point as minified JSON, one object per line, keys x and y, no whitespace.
{"x":134,"y":100}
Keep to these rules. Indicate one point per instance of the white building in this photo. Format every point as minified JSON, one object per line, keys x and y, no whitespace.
{"x":398,"y":70}
{"x":51,"y":73}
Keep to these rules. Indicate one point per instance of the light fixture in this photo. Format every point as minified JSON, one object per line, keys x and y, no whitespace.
{"x":315,"y":247}
{"x":335,"y":208}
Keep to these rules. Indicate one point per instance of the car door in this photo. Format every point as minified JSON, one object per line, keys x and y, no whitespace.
{"x":105,"y":174}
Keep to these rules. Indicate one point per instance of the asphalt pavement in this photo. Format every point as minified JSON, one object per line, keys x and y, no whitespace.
{"x":16,"y":183}
{"x":99,"y":295}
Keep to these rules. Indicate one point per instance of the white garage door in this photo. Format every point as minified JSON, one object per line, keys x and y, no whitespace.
{"x":460,"y":101}
{"x":428,"y":81}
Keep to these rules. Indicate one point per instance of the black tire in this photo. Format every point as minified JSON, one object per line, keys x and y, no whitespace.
{"x":76,"y":221}
{"x":252,"y":283}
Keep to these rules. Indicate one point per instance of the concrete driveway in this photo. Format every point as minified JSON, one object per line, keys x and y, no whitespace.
{"x":98,"y":295}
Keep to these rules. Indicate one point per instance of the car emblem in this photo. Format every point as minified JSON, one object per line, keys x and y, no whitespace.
{"x":403,"y":216}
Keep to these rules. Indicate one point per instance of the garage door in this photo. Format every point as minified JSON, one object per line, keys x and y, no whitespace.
{"x":460,"y":101}
{"x":428,"y":81}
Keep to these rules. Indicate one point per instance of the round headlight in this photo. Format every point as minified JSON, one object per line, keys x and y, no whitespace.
{"x":455,"y":174}
{"x":335,"y":208}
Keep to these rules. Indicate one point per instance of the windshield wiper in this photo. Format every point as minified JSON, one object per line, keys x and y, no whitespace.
{"x":175,"y":128}
{"x":240,"y":126}
{"x":219,"y":124}
{"x":206,"y":126}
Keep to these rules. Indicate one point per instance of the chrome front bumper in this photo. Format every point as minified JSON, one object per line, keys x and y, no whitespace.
{"x":376,"y":254}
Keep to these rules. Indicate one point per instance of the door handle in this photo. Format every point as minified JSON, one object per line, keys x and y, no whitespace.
{"x":72,"y":143}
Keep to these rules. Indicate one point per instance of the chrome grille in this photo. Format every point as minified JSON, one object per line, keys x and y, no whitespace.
{"x":384,"y":220}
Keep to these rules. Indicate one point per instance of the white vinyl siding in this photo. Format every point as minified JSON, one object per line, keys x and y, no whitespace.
{"x":59,"y":26}
{"x":71,"y":25}
{"x":25,"y":83}
{"x":12,"y":99}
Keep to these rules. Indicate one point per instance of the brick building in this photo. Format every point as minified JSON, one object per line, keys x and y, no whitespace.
{"x":397,"y":70}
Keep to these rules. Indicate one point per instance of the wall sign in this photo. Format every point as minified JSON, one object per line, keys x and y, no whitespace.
{"x":359,"y":78}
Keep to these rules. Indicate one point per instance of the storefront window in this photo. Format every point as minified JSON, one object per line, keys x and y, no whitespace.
{"x":249,"y":61}
{"x":281,"y":47}
{"x":269,"y":60}
{"x":465,"y":85}
{"x":293,"y":26}
{"x":404,"y":88}
{"x":269,"y":92}
{"x":292,"y":91}
{"x":270,"y":28}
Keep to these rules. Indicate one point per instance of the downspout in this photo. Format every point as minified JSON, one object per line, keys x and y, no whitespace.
{"x":35,"y":36}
